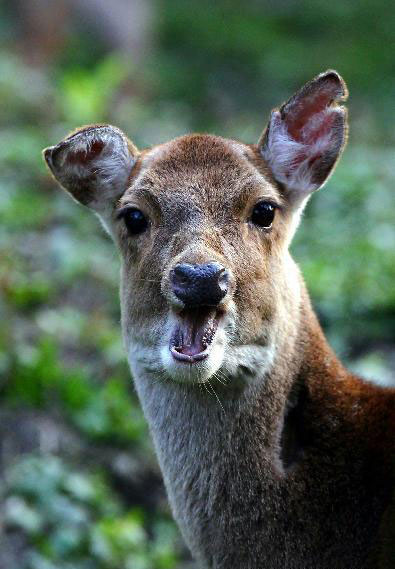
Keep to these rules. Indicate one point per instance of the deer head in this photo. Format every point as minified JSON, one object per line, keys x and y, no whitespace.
{"x":203,"y":225}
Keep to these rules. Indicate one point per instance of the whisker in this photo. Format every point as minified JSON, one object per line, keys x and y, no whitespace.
{"x":148,"y":280}
{"x":219,"y":380}
{"x":205,"y":387}
{"x":216,"y":396}
{"x":224,"y":377}
{"x":162,"y":377}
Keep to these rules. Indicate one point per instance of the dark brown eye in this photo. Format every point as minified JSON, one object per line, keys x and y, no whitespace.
{"x":135,"y":220}
{"x":263,"y":214}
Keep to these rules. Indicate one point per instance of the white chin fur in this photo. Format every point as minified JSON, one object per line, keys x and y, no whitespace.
{"x":198,"y":372}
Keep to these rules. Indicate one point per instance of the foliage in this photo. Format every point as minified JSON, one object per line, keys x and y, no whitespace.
{"x":231,"y":62}
{"x":74,"y":519}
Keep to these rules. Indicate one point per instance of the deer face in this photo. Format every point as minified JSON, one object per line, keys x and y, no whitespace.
{"x":203,"y":226}
{"x":197,"y":276}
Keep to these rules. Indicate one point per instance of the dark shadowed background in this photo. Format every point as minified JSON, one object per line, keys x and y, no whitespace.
{"x":79,"y":484}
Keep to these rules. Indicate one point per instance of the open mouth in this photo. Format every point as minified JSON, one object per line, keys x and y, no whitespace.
{"x":193,"y":334}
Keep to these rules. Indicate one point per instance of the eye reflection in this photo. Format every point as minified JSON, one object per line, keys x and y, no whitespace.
{"x":135,"y":220}
{"x":263,"y":214}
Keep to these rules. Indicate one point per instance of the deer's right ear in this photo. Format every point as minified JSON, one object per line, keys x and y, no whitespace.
{"x":93,"y":164}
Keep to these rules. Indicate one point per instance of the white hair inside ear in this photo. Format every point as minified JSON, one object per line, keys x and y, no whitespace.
{"x":305,"y":137}
{"x":94,"y":165}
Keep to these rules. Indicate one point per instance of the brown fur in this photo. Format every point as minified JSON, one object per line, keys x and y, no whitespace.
{"x":298,"y":470}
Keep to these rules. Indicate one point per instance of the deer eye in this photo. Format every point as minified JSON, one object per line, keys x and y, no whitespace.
{"x":134,"y":219}
{"x":263,"y":214}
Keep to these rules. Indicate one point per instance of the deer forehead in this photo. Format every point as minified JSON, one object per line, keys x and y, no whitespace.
{"x":201,"y":172}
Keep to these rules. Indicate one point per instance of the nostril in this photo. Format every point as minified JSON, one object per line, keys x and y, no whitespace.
{"x":200,"y":285}
{"x":182,"y":274}
{"x":223,"y":280}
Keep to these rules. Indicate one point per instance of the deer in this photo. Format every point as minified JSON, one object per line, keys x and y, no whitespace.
{"x":273,"y":455}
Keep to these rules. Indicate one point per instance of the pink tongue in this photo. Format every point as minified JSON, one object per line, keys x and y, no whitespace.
{"x":190,"y":350}
{"x":195,"y":333}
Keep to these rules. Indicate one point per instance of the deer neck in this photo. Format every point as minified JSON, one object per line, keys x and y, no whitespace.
{"x":199,"y":435}
{"x":199,"y":409}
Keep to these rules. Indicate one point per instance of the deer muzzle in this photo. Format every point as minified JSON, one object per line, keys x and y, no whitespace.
{"x":202,"y":290}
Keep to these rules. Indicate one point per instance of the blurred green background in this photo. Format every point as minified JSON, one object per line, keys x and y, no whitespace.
{"x":79,"y":485}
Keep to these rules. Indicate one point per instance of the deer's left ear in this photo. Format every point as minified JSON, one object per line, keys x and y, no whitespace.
{"x":306,"y":135}
{"x":94,"y":165}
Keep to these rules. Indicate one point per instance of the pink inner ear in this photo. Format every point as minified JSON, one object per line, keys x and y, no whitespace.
{"x":306,"y":135}
{"x":316,"y":136}
{"x":299,"y":117}
{"x":86,"y":155}
{"x":319,"y":127}
{"x":306,"y":105}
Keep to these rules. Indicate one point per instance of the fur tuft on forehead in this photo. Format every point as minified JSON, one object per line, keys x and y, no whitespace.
{"x":197,"y":151}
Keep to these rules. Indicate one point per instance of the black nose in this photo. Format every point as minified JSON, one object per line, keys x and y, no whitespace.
{"x":200,"y":285}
